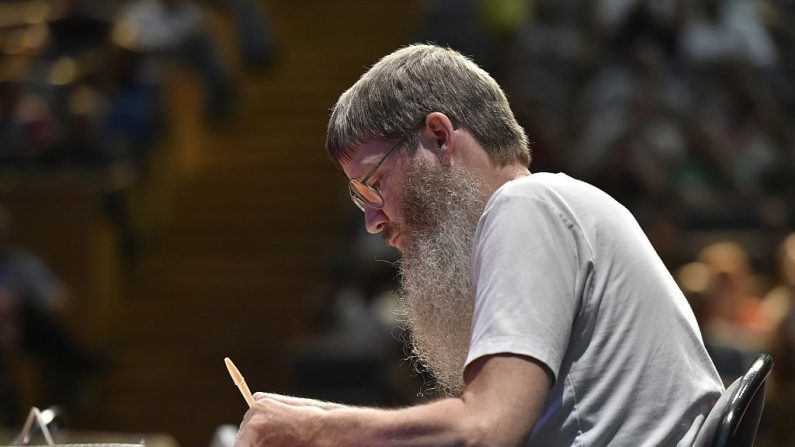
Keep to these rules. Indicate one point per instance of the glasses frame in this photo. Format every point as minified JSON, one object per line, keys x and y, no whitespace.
{"x":354,"y":184}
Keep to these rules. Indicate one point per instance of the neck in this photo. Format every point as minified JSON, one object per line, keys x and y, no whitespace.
{"x":495,"y":177}
{"x":471,"y":155}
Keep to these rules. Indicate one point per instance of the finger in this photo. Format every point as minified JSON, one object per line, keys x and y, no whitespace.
{"x":240,"y":438}
{"x":284,"y":400}
{"x":244,"y":439}
{"x":290,"y":400}
{"x":245,"y":422}
{"x":254,"y":424}
{"x":244,"y":433}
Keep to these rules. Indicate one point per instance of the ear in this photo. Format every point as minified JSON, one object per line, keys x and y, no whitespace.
{"x":440,"y":136}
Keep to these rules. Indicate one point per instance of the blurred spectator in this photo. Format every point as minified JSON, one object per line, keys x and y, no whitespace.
{"x":33,"y":302}
{"x":780,"y":303}
{"x":255,"y":40}
{"x":24,"y":276}
{"x":781,"y":306}
{"x":725,"y":30}
{"x":27,"y":126}
{"x":736,"y":323}
{"x":176,"y":32}
{"x":134,"y":114}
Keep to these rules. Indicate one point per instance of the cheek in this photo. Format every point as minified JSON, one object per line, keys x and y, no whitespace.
{"x":393,"y":214}
{"x":392,"y":205}
{"x":392,"y":191}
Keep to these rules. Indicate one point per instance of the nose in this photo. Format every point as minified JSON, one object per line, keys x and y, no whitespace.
{"x":375,"y":219}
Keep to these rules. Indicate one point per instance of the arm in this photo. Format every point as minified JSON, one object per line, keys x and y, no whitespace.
{"x":502,"y":400}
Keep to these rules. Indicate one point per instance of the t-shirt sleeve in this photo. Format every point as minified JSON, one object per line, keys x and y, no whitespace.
{"x":525,"y":269}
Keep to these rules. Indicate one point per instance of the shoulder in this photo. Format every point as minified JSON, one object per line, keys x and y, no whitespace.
{"x":531,"y":185}
{"x":558,"y":193}
{"x":544,"y":185}
{"x":538,"y":202}
{"x":554,"y":208}
{"x":564,"y":196}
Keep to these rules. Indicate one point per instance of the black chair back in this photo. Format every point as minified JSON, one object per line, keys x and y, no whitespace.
{"x":735,"y":417}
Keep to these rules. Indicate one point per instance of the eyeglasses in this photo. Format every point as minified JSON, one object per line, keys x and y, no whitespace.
{"x":364,"y":194}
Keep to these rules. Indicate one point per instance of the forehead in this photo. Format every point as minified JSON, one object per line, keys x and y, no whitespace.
{"x":365,"y":156}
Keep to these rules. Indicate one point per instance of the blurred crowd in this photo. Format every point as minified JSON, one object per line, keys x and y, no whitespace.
{"x":81,"y":81}
{"x":683,"y":110}
{"x":743,"y":311}
{"x":83,"y":90}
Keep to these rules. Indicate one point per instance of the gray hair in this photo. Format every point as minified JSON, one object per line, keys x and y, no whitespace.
{"x":391,"y":100}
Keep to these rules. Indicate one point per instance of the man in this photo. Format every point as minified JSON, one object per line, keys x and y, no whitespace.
{"x":536,"y":300}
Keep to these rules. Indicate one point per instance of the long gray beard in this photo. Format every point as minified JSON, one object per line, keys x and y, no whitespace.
{"x":441,"y":208}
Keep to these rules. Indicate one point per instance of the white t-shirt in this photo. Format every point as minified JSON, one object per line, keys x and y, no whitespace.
{"x":563,"y":273}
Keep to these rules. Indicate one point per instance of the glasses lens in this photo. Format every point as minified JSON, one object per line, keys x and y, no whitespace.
{"x":365,"y":195}
{"x":356,"y":200}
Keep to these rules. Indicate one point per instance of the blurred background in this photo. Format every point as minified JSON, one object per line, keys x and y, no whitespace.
{"x":165,"y":199}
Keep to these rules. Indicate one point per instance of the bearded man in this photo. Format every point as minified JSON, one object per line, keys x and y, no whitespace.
{"x":536,"y":300}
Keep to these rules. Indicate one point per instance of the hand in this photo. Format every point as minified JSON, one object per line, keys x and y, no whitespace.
{"x":280,"y":421}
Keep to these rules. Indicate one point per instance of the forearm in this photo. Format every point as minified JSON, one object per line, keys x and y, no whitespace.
{"x":498,"y":409}
{"x":446,"y":422}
